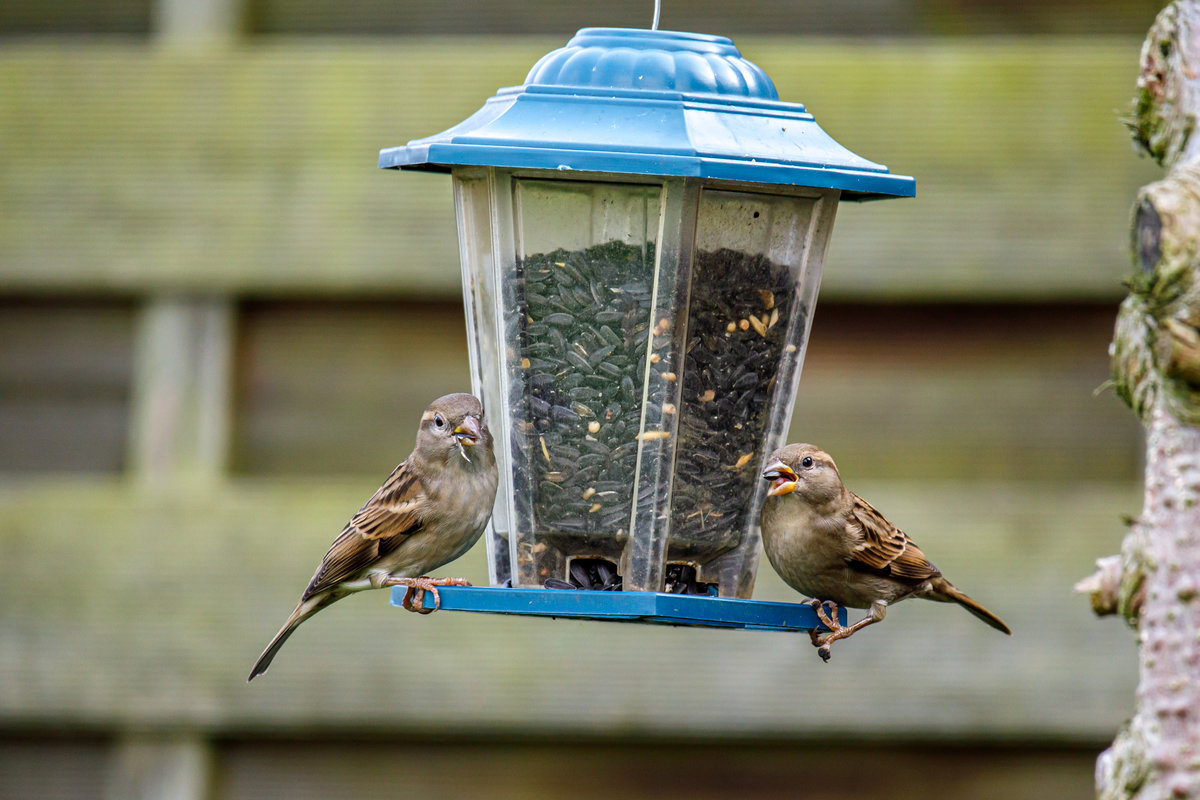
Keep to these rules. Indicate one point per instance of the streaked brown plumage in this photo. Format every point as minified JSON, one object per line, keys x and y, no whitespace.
{"x":830,"y":544}
{"x":429,"y":512}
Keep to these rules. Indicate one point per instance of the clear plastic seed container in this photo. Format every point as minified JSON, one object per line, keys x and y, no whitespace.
{"x":638,"y":346}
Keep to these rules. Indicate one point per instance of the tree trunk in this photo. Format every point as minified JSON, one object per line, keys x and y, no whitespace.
{"x":1155,"y":582}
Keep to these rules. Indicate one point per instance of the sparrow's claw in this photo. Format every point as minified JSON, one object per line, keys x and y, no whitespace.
{"x":419,"y":601}
{"x":827,"y":613}
{"x":814,"y":635}
{"x":406,"y":603}
{"x":414,"y":598}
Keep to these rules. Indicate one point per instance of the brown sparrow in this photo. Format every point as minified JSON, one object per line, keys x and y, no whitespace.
{"x":429,"y":512}
{"x":830,"y":544}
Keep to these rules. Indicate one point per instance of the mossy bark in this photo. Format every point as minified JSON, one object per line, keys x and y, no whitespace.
{"x":1154,"y":582}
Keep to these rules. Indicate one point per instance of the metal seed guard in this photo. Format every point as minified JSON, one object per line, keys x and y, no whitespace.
{"x":641,"y":226}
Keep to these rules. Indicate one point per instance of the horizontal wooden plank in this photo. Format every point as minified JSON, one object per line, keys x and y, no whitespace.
{"x":1001,"y":392}
{"x":70,"y":767}
{"x":425,"y":17}
{"x":329,"y":387}
{"x":508,"y":770}
{"x":997,"y":392}
{"x":62,"y":768}
{"x":816,"y":17}
{"x":126,"y":607}
{"x":66,"y":370}
{"x":252,"y":170}
{"x":893,"y":391}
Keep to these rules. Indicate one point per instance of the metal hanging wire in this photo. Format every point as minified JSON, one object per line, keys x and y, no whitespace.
{"x":657,"y":9}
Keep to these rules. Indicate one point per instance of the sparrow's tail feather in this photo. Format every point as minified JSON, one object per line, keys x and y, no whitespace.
{"x":303,"y":611}
{"x":950,"y":593}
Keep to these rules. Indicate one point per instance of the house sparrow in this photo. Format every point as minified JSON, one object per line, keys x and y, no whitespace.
{"x":830,"y":544}
{"x":429,"y":512}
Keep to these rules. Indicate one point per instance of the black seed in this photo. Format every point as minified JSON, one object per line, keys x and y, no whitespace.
{"x":572,"y":273}
{"x":609,"y":369}
{"x":563,"y":277}
{"x":749,"y":379}
{"x":595,"y":358}
{"x":579,"y":574}
{"x":608,"y":334}
{"x":564,"y":451}
{"x":578,"y":361}
{"x":597,"y":447}
{"x":582,"y":295}
{"x":584,"y":477}
{"x":557,"y":342}
{"x":586,"y":393}
{"x":563,"y":414}
{"x":591,"y":460}
{"x":590,"y":339}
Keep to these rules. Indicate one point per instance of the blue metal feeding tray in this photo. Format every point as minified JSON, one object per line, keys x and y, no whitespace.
{"x":647,"y":607}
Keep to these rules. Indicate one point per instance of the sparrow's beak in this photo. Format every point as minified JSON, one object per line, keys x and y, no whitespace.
{"x":468,"y":432}
{"x":782,"y":478}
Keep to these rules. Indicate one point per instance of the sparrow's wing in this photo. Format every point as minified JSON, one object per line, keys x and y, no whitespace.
{"x":882,"y":547}
{"x":380,"y":526}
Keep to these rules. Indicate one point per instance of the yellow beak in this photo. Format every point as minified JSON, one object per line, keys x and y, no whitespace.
{"x":782,"y":478}
{"x":468,"y":432}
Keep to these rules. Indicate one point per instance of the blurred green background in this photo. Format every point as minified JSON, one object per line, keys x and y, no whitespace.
{"x":219,"y":323}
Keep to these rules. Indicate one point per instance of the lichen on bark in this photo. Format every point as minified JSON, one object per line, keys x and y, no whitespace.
{"x":1156,"y":346}
{"x":1155,"y":582}
{"x":1164,"y":106}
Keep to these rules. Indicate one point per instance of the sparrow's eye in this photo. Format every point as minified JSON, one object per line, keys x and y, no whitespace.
{"x":439,"y":420}
{"x":806,"y":462}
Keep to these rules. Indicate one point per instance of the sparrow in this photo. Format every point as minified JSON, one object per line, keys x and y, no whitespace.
{"x":429,"y":511}
{"x":830,"y":544}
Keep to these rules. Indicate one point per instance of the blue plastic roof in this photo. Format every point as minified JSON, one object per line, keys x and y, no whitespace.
{"x":647,"y":102}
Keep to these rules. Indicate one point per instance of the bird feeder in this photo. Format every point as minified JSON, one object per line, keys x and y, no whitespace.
{"x":641,"y":227}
